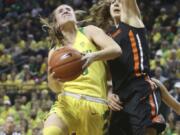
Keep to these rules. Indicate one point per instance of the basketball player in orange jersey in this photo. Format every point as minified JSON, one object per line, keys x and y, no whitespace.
{"x":130,"y":72}
{"x":81,"y":106}
{"x":131,"y":75}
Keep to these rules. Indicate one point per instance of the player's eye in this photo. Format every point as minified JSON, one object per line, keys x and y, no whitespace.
{"x":60,"y":10}
{"x":68,"y":9}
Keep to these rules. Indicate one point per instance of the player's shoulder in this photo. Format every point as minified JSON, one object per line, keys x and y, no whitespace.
{"x":92,"y":30}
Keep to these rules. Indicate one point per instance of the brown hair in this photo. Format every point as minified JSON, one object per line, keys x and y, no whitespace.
{"x":49,"y":24}
{"x":100,"y":14}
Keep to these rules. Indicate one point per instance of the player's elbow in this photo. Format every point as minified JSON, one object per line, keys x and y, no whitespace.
{"x":117,"y":51}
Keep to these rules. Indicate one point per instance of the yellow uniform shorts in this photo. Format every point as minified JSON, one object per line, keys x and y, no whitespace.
{"x":82,"y":116}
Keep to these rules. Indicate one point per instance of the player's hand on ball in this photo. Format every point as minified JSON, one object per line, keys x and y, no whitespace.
{"x":114,"y":102}
{"x":51,"y":76}
{"x":54,"y":84}
{"x":88,"y":58}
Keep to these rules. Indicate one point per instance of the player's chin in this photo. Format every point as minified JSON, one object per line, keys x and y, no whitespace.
{"x":116,"y":15}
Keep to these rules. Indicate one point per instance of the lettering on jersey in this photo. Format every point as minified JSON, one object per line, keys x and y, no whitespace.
{"x":87,"y":51}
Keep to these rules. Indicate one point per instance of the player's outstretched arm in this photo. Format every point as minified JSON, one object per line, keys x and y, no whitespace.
{"x":167,"y":98}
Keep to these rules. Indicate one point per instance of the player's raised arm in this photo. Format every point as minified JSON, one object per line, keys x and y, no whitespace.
{"x":131,"y":13}
{"x":131,"y":7}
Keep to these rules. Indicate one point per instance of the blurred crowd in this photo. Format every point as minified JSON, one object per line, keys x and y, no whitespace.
{"x":24,"y":96}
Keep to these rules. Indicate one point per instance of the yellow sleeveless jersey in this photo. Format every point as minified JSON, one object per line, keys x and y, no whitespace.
{"x":93,"y":81}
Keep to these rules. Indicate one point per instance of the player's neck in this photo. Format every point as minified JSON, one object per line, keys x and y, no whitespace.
{"x":68,"y":28}
{"x":69,"y":32}
{"x":116,"y":21}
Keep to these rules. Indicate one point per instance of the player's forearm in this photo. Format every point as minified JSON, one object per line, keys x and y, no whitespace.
{"x":107,"y":54}
{"x":55,"y":87}
{"x":167,"y":98}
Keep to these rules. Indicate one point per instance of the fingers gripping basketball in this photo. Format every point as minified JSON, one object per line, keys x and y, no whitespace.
{"x":67,"y":64}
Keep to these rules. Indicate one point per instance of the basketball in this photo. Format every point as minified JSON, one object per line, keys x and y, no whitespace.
{"x":66,"y":63}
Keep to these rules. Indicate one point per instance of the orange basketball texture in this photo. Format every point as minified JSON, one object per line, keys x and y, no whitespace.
{"x":66,"y":63}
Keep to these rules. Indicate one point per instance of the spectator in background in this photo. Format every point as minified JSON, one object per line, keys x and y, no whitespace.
{"x":24,"y":72}
{"x":39,"y":62}
{"x":7,"y":109}
{"x":3,"y":97}
{"x":5,"y":59}
{"x":158,"y":74}
{"x":25,"y":128}
{"x":9,"y":127}
{"x":158,"y":61}
{"x":173,"y":65}
{"x":32,"y":65}
{"x":13,"y":83}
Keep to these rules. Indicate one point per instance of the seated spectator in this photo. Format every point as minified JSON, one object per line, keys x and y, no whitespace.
{"x":158,"y":60}
{"x":5,"y":59}
{"x":173,"y":65}
{"x":9,"y":127}
{"x":13,"y":83}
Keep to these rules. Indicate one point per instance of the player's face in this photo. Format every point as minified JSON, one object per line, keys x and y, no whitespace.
{"x":115,"y":8}
{"x":64,"y":14}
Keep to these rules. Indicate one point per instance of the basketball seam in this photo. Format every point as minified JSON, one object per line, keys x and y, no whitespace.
{"x":75,"y":74}
{"x":74,"y":60}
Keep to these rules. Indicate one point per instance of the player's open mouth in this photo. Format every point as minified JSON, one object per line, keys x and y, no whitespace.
{"x":116,"y":10}
{"x":66,"y":14}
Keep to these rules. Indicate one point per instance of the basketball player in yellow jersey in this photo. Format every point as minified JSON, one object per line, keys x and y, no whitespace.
{"x":81,"y":105}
